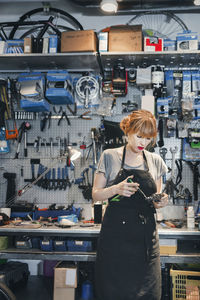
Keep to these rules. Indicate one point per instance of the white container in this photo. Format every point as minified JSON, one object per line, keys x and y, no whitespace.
{"x":190,"y":218}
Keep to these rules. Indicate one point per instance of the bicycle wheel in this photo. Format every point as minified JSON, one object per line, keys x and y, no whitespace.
{"x":159,"y":24}
{"x":6,"y":293}
{"x":59,"y":18}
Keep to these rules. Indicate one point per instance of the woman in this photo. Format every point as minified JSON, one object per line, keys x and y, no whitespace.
{"x":128,"y":260}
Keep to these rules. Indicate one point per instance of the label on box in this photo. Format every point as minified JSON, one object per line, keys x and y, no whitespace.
{"x":70,"y":277}
{"x":153,"y":44}
{"x":103,"y":41}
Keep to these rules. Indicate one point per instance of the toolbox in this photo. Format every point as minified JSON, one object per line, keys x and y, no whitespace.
{"x":59,"y":88}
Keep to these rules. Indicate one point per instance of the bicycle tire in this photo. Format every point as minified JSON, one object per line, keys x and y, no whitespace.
{"x":167,"y":21}
{"x":34,"y":30}
{"x":6,"y":293}
{"x":51,"y":11}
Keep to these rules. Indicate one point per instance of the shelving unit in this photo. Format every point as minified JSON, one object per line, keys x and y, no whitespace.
{"x":171,"y":59}
{"x":77,"y":62}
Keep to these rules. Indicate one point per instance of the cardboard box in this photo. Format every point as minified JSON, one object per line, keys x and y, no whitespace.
{"x":168,"y":246}
{"x":64,"y":294}
{"x":125,"y":38}
{"x":187,"y":41}
{"x":27,"y":45}
{"x":78,"y":41}
{"x":65,"y":281}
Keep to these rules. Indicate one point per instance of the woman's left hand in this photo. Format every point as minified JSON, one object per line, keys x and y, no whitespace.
{"x":163,"y":201}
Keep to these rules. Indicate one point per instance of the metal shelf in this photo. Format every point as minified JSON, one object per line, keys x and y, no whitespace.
{"x":35,"y":254}
{"x":83,"y":61}
{"x":174,"y":59}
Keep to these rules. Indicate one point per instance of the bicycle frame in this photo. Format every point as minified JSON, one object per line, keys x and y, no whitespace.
{"x":46,"y":23}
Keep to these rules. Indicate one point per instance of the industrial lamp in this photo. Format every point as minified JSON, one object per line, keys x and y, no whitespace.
{"x":73,"y":154}
{"x":109,"y":6}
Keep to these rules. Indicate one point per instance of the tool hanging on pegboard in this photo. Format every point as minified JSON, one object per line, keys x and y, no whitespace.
{"x":87,"y":91}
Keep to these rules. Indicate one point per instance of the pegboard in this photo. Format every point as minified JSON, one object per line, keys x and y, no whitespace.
{"x":79,"y":131}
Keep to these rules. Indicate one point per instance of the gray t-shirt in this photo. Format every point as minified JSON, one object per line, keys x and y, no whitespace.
{"x":110,"y":164}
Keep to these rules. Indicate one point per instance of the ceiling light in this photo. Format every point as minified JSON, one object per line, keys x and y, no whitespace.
{"x":109,"y":5}
{"x":196,"y":2}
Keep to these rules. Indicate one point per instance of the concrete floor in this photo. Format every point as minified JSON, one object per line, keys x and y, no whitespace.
{"x":37,"y":288}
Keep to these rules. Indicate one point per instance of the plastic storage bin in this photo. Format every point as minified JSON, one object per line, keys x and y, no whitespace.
{"x":60,"y":245}
{"x":80,"y":246}
{"x":185,"y":284}
{"x":46,"y":245}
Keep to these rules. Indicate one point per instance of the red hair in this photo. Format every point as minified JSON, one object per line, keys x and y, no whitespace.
{"x":140,"y":121}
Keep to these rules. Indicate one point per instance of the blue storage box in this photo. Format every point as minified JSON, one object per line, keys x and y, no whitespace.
{"x":59,"y":88}
{"x":32,"y":92}
{"x":79,"y":246}
{"x":35,"y":242}
{"x":46,"y":245}
{"x":60,"y":245}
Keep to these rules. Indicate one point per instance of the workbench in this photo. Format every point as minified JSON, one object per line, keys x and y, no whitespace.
{"x":92,"y":233}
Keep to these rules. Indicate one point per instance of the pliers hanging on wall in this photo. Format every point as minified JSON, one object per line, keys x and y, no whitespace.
{"x":64,"y":115}
{"x":46,"y":118}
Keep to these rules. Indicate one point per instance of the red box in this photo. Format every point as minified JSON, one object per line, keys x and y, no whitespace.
{"x":153,"y":44}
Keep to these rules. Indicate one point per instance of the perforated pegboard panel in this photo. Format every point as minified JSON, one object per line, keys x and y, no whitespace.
{"x":78,"y":131}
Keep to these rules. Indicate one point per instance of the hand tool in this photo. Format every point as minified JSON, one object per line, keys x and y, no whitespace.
{"x":46,"y":118}
{"x":51,"y":146}
{"x":58,"y":138}
{"x":64,"y":115}
{"x":58,"y":181}
{"x":170,"y":186}
{"x":13,"y":133}
{"x":45,"y":145}
{"x":25,"y":140}
{"x":173,"y":152}
{"x":83,"y":116}
{"x":39,"y":142}
{"x":160,"y":128}
{"x":153,"y":198}
{"x":24,"y":126}
{"x":93,"y":130}
{"x":83,"y":148}
{"x":163,"y":152}
{"x":194,"y":166}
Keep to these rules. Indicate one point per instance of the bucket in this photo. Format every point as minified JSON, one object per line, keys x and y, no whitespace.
{"x":87,"y":291}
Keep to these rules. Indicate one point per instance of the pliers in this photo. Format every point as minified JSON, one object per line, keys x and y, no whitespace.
{"x":64,"y":115}
{"x":47,"y":117}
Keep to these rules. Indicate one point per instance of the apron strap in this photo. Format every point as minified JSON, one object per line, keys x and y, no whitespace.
{"x":123,"y":158}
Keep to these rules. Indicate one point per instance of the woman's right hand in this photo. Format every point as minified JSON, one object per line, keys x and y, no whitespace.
{"x":127,"y":188}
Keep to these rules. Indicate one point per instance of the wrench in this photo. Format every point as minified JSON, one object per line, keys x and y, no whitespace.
{"x":58,"y":138}
{"x":51,"y":146}
{"x":45,"y":145}
{"x":39,"y":143}
{"x":173,"y":152}
{"x":163,"y":152}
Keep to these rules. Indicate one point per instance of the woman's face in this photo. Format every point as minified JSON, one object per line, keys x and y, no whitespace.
{"x":137,"y":143}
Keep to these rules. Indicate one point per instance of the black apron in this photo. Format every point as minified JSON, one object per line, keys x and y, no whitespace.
{"x":128,"y":258}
